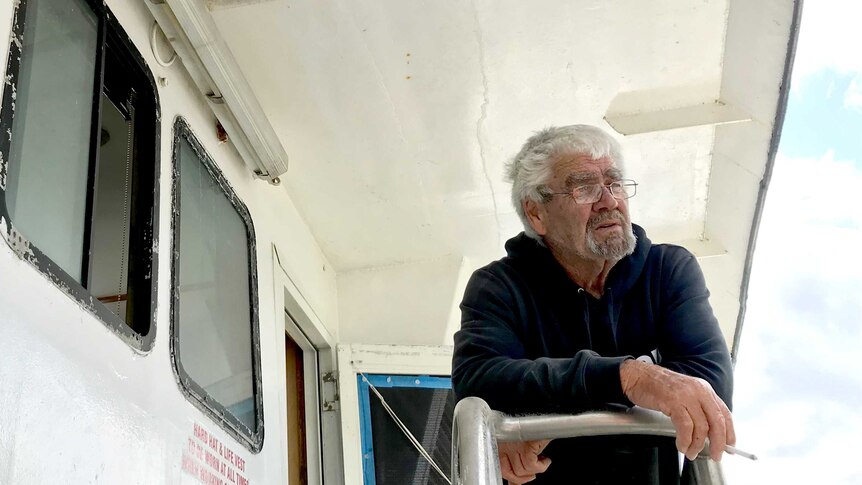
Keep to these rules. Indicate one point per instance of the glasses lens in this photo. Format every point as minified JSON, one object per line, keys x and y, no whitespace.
{"x":587,"y":194}
{"x":623,"y":189}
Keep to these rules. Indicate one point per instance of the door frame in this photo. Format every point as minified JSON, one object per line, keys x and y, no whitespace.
{"x":313,"y":451}
{"x":322,"y":428}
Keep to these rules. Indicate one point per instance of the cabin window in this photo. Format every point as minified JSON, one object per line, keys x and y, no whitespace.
{"x":425,"y":405}
{"x":214,"y":325}
{"x":78,"y":160}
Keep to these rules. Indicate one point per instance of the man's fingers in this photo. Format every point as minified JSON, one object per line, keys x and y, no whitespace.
{"x":684,"y":429}
{"x":717,"y":430}
{"x":513,"y":459}
{"x":506,"y":467}
{"x":522,"y":462}
{"x":700,"y":432}
{"x":538,"y":447}
{"x":544,"y":462}
{"x":728,"y":422}
{"x":530,"y":457}
{"x":508,"y":471}
{"x":515,"y":462}
{"x":519,"y":463}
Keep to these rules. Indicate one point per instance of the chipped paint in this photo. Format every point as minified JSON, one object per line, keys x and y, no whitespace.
{"x":10,"y":94}
{"x":20,"y":245}
{"x":3,"y":174}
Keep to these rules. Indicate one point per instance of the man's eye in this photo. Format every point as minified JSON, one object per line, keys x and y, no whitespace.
{"x":585,"y":190}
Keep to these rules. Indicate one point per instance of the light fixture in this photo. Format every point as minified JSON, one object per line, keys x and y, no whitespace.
{"x":192,"y":32}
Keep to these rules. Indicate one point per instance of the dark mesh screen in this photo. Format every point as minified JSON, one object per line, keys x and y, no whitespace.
{"x":427,"y":413}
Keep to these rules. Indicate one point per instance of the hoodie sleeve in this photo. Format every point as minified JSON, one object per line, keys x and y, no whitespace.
{"x":490,"y":361}
{"x":690,"y":340}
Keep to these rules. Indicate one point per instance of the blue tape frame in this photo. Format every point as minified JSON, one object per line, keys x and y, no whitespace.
{"x":382,"y":380}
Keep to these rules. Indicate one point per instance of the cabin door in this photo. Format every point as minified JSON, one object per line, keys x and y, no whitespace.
{"x":301,"y":386}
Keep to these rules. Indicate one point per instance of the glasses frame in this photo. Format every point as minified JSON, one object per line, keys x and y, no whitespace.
{"x":621,"y":183}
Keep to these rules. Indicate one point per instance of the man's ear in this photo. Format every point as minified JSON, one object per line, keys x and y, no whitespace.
{"x":536,"y":215}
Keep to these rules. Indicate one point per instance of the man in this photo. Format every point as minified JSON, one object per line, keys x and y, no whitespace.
{"x":579,"y":313}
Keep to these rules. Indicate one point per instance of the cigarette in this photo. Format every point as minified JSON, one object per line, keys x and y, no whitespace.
{"x":736,"y":451}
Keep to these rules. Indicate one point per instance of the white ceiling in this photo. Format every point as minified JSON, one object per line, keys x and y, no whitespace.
{"x":399,"y":115}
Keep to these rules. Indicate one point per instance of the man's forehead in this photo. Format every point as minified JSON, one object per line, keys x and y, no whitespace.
{"x":577,"y":168}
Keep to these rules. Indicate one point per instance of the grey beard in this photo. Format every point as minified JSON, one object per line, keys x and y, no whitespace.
{"x":614,"y":248}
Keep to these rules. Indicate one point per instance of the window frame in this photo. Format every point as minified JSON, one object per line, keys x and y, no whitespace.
{"x":108,"y":26}
{"x":194,"y":393}
{"x":411,"y":381}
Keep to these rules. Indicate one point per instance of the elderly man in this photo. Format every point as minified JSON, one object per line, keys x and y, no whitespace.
{"x":585,"y":312}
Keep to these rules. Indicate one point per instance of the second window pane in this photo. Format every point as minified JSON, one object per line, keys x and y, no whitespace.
{"x":214,"y":308}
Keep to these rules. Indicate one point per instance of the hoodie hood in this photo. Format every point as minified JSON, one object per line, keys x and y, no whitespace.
{"x":622,"y":277}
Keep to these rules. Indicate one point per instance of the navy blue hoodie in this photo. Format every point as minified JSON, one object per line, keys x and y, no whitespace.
{"x":533,"y":341}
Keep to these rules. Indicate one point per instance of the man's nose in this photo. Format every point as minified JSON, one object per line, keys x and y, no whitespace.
{"x":607,"y":202}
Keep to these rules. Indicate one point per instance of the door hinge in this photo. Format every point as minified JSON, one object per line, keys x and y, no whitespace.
{"x":330,"y":391}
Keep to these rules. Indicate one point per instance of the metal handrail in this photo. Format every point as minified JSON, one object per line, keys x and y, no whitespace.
{"x":476,"y":429}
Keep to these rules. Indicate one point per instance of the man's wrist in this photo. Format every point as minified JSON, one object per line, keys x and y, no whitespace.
{"x":631,"y":371}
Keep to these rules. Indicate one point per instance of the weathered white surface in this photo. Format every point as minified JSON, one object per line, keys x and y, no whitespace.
{"x":405,"y":304}
{"x":79,"y":405}
{"x":5,"y":32}
{"x":400,"y":115}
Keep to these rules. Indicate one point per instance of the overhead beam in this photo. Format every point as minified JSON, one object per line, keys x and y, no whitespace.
{"x":714,"y":113}
{"x":671,"y":107}
{"x":703,"y":248}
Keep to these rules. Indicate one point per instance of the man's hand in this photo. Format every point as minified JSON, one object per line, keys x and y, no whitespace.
{"x":520,"y":461}
{"x":696,"y":411}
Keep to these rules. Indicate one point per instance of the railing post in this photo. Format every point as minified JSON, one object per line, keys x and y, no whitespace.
{"x":474,"y":444}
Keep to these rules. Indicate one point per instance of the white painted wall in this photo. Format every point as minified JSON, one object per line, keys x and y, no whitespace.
{"x":406,"y":304}
{"x":79,"y":405}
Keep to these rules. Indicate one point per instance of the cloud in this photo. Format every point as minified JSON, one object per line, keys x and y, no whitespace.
{"x":797,"y":380}
{"x":810,"y":193}
{"x":827,"y":455}
{"x":853,"y":95}
{"x":828,"y":38}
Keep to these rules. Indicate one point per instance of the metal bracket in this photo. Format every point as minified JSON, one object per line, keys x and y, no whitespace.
{"x":215,"y":98}
{"x":330,"y":388}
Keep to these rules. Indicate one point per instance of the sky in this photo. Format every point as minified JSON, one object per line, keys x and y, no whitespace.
{"x":798,"y":375}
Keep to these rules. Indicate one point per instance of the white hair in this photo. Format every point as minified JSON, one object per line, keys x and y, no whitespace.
{"x":531,"y":168}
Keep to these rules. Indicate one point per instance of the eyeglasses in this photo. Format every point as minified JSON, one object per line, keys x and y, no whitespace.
{"x":592,"y":193}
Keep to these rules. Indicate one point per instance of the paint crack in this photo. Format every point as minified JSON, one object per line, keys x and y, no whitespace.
{"x":483,"y":115}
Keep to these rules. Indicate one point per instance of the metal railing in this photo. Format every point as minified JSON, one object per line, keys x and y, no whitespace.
{"x":477,"y":428}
